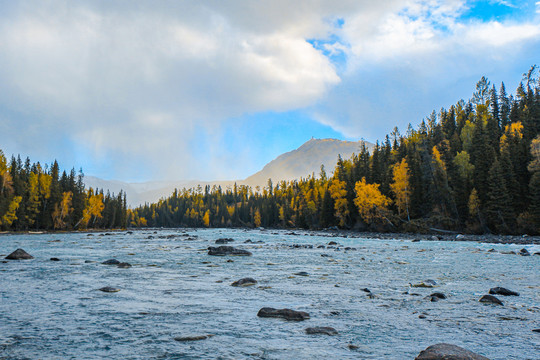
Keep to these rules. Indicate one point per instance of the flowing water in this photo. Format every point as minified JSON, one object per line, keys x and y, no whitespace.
{"x":54,"y":310}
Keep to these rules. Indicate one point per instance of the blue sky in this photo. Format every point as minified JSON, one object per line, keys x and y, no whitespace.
{"x":209,"y":90}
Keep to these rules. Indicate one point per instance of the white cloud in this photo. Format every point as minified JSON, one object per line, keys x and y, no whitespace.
{"x":137,"y":82}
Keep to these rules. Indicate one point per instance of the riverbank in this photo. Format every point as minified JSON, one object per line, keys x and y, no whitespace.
{"x":485,"y":238}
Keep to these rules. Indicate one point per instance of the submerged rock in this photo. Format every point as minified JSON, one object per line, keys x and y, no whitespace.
{"x":502,"y":291}
{"x":124,"y":265}
{"x":193,"y":337}
{"x":490,"y":299}
{"x":325,"y":330}
{"x":448,"y":352}
{"x":302,"y":273}
{"x":19,"y":254}
{"x":227,"y":250}
{"x":245,"y":282}
{"x":111,"y":262}
{"x":286,"y":314}
{"x":425,"y":284}
{"x":109,"y":289}
{"x":224,"y":240}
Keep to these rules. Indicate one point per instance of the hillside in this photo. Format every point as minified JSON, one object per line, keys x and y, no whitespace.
{"x":306,"y":160}
{"x":295,"y":164}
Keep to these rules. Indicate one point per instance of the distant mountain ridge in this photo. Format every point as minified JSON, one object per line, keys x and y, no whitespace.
{"x":295,"y":164}
{"x":306,"y":160}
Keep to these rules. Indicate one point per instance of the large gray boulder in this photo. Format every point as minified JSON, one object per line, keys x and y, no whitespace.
{"x":19,"y":254}
{"x":227,"y":250}
{"x":502,"y":291}
{"x":286,"y":314}
{"x":245,"y":282}
{"x":448,"y":352}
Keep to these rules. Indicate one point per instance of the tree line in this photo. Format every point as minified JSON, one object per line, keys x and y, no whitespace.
{"x":474,"y":167}
{"x":35,"y":197}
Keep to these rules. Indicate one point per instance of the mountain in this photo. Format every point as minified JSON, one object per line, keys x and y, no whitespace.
{"x":302,"y":162}
{"x":306,"y":160}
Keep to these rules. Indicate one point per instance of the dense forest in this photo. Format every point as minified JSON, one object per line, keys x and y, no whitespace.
{"x":33,"y":197}
{"x":474,"y":167}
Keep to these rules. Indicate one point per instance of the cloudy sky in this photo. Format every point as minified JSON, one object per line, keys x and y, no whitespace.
{"x":155,"y":90}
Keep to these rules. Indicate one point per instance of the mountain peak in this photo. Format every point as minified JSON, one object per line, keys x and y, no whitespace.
{"x":306,"y":160}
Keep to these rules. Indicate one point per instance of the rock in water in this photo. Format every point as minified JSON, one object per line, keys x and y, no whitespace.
{"x":325,"y":330}
{"x":111,"y":262}
{"x":193,"y":338}
{"x":19,"y":254}
{"x":224,"y":240}
{"x":502,"y":291}
{"x":286,"y":314}
{"x":438,"y":295}
{"x":448,"y":352}
{"x":54,"y":259}
{"x":245,"y":282}
{"x":490,"y":299}
{"x":124,"y":265}
{"x":109,"y":289}
{"x":524,"y":252}
{"x":425,"y":284}
{"x":227,"y":250}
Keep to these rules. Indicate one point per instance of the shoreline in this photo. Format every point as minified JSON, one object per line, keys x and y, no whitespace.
{"x":485,"y":238}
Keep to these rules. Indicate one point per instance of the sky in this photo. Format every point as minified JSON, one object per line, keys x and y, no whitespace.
{"x":213,"y":90}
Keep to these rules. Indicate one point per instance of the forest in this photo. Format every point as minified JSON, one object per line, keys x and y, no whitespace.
{"x":474,"y":167}
{"x":35,"y":197}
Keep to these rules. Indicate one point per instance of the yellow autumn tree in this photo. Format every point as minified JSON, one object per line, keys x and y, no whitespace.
{"x":400,"y":187}
{"x":93,"y":209}
{"x":206,"y":218}
{"x":474,"y":203}
{"x":534,"y":165}
{"x":11,"y":214}
{"x":370,"y":202}
{"x":257,"y":218}
{"x":338,"y":192}
{"x":5,"y":177}
{"x":62,"y":210}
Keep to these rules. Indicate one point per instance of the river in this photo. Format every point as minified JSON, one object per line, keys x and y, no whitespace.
{"x":54,"y":310}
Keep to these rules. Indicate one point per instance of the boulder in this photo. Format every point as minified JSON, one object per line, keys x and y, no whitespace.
{"x":490,"y":299}
{"x":109,"y":289}
{"x":502,"y":291}
{"x":227,"y":250}
{"x":325,"y":330}
{"x":436,"y":296}
{"x":19,"y":254}
{"x":286,"y":314}
{"x":524,"y":252}
{"x":245,"y":282}
{"x":448,"y":352}
{"x":111,"y":262}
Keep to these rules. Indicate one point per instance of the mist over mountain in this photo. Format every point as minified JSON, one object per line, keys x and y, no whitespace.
{"x":295,"y":164}
{"x":306,"y":160}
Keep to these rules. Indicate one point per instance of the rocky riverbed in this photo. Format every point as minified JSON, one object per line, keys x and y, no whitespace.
{"x":321,"y":295}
